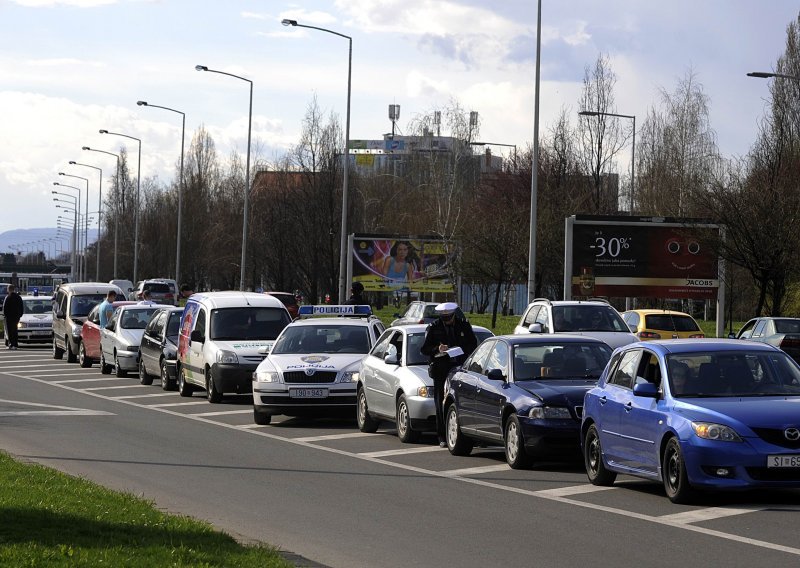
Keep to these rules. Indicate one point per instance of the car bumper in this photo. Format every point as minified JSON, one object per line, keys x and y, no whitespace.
{"x":172,"y":369}
{"x":421,"y":412}
{"x":128,"y":360}
{"x":551,"y":437}
{"x":233,"y":378}
{"x":35,"y":336}
{"x":339,"y":397}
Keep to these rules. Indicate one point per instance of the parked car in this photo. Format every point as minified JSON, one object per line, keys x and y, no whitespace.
{"x":419,"y":312}
{"x":71,"y":304}
{"x":313,"y":368}
{"x":173,"y":288}
{"x":662,"y":324}
{"x":120,"y":339}
{"x":158,"y":351}
{"x":126,"y":286}
{"x":525,"y":392}
{"x":89,"y":350}
{"x":393,"y":383}
{"x":592,"y":318}
{"x":289,"y":300}
{"x":783,"y":333}
{"x":712,"y":414}
{"x":160,"y":292}
{"x":36,"y":323}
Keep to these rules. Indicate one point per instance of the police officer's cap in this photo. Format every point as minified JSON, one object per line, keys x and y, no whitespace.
{"x":446,"y":309}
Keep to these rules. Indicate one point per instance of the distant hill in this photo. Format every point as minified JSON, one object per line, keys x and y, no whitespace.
{"x":20,"y":240}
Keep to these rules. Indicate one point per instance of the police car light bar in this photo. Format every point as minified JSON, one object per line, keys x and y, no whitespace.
{"x":329,"y":310}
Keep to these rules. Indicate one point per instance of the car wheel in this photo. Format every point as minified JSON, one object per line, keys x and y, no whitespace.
{"x":118,"y":370}
{"x":366,"y":423}
{"x":58,"y":353}
{"x":166,"y":383}
{"x":457,"y":442}
{"x":184,"y":388}
{"x":593,"y":460}
{"x":673,"y":469}
{"x":261,"y":418}
{"x":83,"y":360}
{"x":144,"y":378}
{"x":213,"y":395}
{"x":403,"y":420}
{"x":104,"y":367}
{"x":71,"y":357}
{"x":514,"y":441}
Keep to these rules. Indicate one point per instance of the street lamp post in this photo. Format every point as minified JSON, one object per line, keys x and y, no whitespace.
{"x":83,"y":271}
{"x":633,"y":145}
{"x":73,"y":259}
{"x":136,"y":213}
{"x":116,"y":225}
{"x":535,"y":162}
{"x":343,"y":236}
{"x":181,"y":187}
{"x":246,"y":174}
{"x":76,"y":248}
{"x":99,"y":213}
{"x":765,"y":75}
{"x":498,"y":144}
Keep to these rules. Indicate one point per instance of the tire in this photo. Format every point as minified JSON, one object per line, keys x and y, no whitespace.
{"x":212,"y":394}
{"x":405,"y":433}
{"x":457,"y":443}
{"x":166,"y":383}
{"x":118,"y":371}
{"x":593,"y":460}
{"x":184,"y":388}
{"x":261,"y":418}
{"x":58,"y":353}
{"x":144,"y":378}
{"x":514,"y":442}
{"x":104,"y":367}
{"x":366,"y":423}
{"x":673,"y":470}
{"x":71,"y":356}
{"x":83,"y":360}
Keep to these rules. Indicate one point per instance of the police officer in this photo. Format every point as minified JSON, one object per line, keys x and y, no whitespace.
{"x":13,"y":308}
{"x":446,"y":332}
{"x":356,"y":299}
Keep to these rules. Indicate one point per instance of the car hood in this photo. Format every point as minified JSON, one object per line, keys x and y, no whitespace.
{"x":37,"y":318}
{"x":130,"y":336}
{"x":320,"y":361}
{"x":558,"y":392}
{"x":613,"y":339}
{"x":753,"y":412}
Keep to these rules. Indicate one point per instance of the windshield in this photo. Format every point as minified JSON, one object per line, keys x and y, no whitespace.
{"x":249,"y":322}
{"x":323,"y":339}
{"x":136,"y":318}
{"x":733,"y":374}
{"x":37,"y":306}
{"x":581,"y":317}
{"x":560,"y":360}
{"x":174,"y":326}
{"x":80,"y":306}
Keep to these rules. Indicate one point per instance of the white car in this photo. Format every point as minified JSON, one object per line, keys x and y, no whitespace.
{"x":36,"y":323}
{"x":592,"y":318}
{"x":120,"y":339}
{"x":393,"y":383}
{"x":313,"y":367}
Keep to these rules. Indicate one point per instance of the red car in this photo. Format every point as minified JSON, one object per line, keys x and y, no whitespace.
{"x":289,"y":300}
{"x":89,"y":350}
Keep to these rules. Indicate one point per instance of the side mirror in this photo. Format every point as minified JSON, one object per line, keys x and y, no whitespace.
{"x":496,"y":375}
{"x":633,"y":328}
{"x":648,"y":390}
{"x":396,"y":315}
{"x":60,"y":314}
{"x":731,"y":336}
{"x":110,"y":326}
{"x":535,"y":328}
{"x":197,"y":335}
{"x":391,"y":357}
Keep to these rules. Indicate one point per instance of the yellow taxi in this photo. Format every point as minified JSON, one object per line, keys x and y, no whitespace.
{"x":662,"y":324}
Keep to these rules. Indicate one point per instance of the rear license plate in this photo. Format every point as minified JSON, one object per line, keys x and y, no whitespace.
{"x":308,"y":393}
{"x":783,"y":461}
{"x":42,"y":332}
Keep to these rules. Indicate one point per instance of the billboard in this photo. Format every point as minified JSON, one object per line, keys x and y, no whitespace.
{"x":640,"y":257}
{"x":402,"y":263}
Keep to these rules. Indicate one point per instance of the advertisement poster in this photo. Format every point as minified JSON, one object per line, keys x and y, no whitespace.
{"x":659,"y":260}
{"x":389,"y":264}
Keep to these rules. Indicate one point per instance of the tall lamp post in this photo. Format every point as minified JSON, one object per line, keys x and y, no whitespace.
{"x":633,"y":145}
{"x":181,"y":187}
{"x":343,"y":236}
{"x":116,"y":225}
{"x":136,"y":213}
{"x":77,"y":229}
{"x":246,"y":173}
{"x":65,"y":226}
{"x":535,"y":162}
{"x":765,"y":75}
{"x":99,"y":213}
{"x":86,"y":221}
{"x":497,"y":144}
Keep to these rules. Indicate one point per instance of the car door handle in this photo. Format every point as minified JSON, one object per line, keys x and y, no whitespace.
{"x":602,"y":400}
{"x":628,"y":407}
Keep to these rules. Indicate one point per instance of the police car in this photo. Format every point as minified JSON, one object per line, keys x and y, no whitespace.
{"x":313,"y":367}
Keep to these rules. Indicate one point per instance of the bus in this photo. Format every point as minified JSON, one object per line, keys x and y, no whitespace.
{"x":33,"y":283}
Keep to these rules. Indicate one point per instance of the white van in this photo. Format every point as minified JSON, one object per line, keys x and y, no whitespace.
{"x":126,"y":286}
{"x":223,"y":338}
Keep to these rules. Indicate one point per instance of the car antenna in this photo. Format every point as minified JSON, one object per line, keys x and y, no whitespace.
{"x":246,"y":300}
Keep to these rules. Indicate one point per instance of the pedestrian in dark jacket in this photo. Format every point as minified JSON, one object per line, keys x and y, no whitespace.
{"x":12,"y":312}
{"x":356,"y":298}
{"x":445,"y":333}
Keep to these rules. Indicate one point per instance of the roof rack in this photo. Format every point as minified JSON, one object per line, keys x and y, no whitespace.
{"x":598,"y":300}
{"x":542,"y":300}
{"x":335,"y":310}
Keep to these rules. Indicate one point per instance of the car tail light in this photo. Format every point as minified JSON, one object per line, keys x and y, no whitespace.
{"x":790,"y":342}
{"x":168,"y":296}
{"x":697,"y":336}
{"x":422,"y":321}
{"x":648,"y":335}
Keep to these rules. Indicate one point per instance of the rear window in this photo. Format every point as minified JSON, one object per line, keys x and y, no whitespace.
{"x":157,"y":288}
{"x":787,"y":326}
{"x":669,"y":322}
{"x":286,"y":299}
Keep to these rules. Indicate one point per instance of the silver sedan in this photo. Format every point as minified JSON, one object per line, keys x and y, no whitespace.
{"x":120,"y":339}
{"x":393,"y":383}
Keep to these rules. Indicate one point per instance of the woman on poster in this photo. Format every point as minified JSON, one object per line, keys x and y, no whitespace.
{"x":399,"y":266}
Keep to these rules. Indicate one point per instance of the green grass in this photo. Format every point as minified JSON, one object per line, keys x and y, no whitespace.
{"x":51,"y":519}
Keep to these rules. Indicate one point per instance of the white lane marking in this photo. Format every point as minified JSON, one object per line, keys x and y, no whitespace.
{"x":153,"y":395}
{"x":332,"y":437}
{"x":474,"y":481}
{"x":475,"y":470}
{"x":9,"y":367}
{"x":59,"y":410}
{"x":247,"y":426}
{"x":60,"y":374}
{"x":116,"y":387}
{"x":86,"y":380}
{"x":176,"y":404}
{"x":700,"y":515}
{"x":225,"y":412}
{"x":572,"y":490}
{"x":403,"y":451}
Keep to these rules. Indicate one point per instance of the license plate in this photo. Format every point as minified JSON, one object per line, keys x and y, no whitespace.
{"x":783,"y":461}
{"x":308,"y":393}
{"x":42,"y":332}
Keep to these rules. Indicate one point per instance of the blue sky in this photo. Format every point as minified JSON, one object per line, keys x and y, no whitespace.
{"x":71,"y":67}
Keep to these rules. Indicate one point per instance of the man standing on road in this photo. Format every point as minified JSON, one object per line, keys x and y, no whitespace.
{"x":147,"y":298}
{"x":107,"y":308}
{"x":446,"y":333}
{"x":12,"y":312}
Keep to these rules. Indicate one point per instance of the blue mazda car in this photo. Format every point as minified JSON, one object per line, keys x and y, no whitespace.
{"x":695,"y":414}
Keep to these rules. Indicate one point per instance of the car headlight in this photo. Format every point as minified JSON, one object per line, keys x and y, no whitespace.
{"x":549,"y":412}
{"x":228,"y":357}
{"x":76,"y":330}
{"x":266,"y":377}
{"x":22,"y":325}
{"x":425,"y":392}
{"x":719,"y":432}
{"x":349,"y":377}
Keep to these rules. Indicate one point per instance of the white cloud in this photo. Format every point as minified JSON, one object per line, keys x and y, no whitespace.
{"x":254,"y":16}
{"x":51,"y":3}
{"x":579,"y":36}
{"x":313,"y":17}
{"x":63,"y":61}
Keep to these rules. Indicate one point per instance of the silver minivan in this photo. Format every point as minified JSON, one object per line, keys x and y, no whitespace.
{"x":71,"y":304}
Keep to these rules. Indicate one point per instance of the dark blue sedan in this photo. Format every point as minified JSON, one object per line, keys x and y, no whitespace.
{"x":695,"y":414}
{"x":525,"y":392}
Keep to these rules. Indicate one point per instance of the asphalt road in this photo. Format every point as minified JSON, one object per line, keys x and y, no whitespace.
{"x":330,"y":494}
